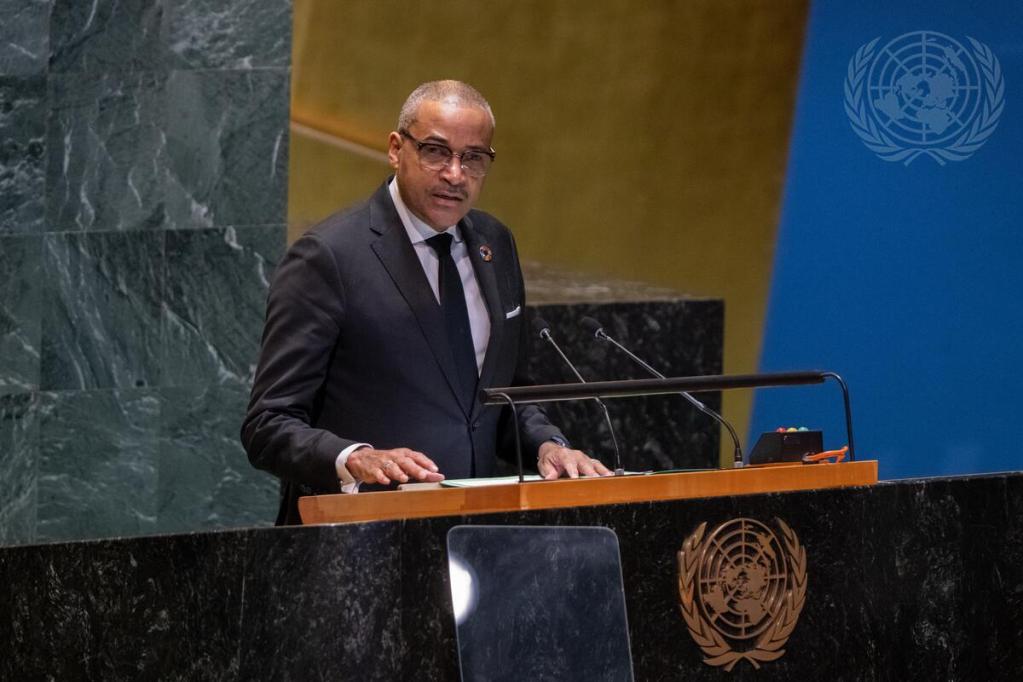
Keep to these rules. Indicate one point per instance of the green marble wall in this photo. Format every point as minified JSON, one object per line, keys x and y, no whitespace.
{"x":143,"y":164}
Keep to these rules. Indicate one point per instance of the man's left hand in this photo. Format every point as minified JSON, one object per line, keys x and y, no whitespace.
{"x":555,"y":461}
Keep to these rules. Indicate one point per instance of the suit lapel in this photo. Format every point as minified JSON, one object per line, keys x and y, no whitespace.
{"x":487,"y":279}
{"x":398,"y":257}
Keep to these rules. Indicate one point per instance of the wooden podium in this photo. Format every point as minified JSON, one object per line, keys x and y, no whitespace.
{"x":907,"y":580}
{"x":582,"y":492}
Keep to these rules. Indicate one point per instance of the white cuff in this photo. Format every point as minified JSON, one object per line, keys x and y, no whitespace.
{"x":348,"y":482}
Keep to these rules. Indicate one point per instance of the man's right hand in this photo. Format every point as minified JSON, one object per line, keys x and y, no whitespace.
{"x":392,"y":466}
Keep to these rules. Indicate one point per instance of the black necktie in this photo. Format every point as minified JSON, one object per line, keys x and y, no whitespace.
{"x":456,"y":316}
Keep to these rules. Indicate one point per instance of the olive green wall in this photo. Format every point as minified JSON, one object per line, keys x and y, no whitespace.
{"x":636,"y":140}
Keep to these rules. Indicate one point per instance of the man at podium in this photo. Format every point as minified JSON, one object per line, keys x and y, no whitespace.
{"x":385,"y":320}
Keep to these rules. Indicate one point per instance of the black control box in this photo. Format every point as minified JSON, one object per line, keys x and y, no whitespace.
{"x":779,"y":447}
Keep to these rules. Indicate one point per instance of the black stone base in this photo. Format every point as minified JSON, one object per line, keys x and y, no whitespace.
{"x":914,"y":580}
{"x":682,"y":337}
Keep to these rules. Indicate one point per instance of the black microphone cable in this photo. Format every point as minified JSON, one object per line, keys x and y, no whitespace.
{"x":597,"y":330}
{"x":544,"y":330}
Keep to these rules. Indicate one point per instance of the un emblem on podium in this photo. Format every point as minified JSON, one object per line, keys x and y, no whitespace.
{"x":741,"y":589}
{"x":924,"y":94}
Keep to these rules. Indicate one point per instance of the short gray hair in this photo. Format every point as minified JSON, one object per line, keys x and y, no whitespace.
{"x":442,"y":91}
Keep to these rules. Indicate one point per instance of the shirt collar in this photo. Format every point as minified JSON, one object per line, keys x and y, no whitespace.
{"x":417,"y":230}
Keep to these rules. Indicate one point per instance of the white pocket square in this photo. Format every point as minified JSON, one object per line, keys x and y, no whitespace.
{"x":513,"y":313}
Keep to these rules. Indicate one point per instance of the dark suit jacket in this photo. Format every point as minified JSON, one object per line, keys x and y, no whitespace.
{"x":354,"y":350}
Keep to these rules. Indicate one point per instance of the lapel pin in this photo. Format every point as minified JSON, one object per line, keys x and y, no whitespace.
{"x":487,"y":254}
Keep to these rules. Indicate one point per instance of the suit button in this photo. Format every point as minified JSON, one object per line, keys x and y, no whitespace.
{"x":475,"y":425}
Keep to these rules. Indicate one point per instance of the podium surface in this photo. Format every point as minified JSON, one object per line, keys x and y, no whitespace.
{"x":582,"y":492}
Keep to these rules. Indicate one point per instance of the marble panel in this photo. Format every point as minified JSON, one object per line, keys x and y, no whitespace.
{"x":230,"y":34}
{"x":205,"y":479}
{"x":954,"y":562}
{"x":547,"y":283}
{"x":164,"y":608}
{"x":991,"y":587}
{"x":20,"y":318}
{"x":106,"y":152}
{"x":227,"y":143}
{"x":97,"y":463}
{"x":215,"y":302}
{"x":905,"y":580}
{"x":101,"y":310}
{"x":426,"y":596}
{"x":108,"y":36}
{"x":883,"y":602}
{"x":19,"y":451}
{"x":927,"y":560}
{"x":24,"y":37}
{"x":322,"y":603}
{"x":23,"y":109}
{"x":652,"y":534}
{"x":681,"y":337}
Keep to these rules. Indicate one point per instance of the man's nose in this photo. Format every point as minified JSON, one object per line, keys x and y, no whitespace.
{"x":452,"y":171}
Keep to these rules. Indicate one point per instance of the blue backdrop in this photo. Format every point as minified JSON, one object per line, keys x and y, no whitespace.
{"x":905,"y":279}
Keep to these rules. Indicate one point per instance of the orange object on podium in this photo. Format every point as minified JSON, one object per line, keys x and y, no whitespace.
{"x":581,"y":492}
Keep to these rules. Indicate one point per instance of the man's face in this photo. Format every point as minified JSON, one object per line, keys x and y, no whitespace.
{"x":440,"y":198}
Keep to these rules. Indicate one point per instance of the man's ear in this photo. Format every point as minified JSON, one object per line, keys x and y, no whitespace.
{"x":393,"y":146}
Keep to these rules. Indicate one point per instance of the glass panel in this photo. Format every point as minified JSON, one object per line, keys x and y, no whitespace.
{"x":538,"y":603}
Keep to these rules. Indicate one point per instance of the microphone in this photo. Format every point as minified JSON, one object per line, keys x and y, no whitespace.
{"x":541,"y":327}
{"x":598,"y":332}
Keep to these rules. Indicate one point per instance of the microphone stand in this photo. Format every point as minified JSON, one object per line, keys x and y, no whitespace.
{"x":598,"y":332}
{"x":545,"y":334}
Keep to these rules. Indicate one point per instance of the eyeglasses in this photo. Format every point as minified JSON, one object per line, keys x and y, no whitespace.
{"x":435,"y":157}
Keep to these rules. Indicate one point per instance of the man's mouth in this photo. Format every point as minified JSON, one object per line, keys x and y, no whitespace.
{"x":452,"y":197}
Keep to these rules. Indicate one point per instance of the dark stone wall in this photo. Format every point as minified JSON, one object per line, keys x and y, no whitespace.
{"x":906,"y":580}
{"x":681,"y":337}
{"x":143,"y":178}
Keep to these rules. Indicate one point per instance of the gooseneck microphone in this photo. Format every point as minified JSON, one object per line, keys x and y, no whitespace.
{"x":544,"y":331}
{"x":597,"y":330}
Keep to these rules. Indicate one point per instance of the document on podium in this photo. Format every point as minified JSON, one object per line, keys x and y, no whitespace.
{"x":484,"y":482}
{"x":507,"y":480}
